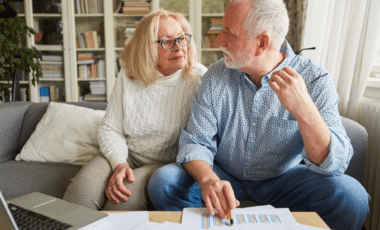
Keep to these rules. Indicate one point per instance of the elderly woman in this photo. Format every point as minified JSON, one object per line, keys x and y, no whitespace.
{"x":148,"y":106}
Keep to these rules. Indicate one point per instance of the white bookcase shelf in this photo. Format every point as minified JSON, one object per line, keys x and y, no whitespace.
{"x":109,"y":27}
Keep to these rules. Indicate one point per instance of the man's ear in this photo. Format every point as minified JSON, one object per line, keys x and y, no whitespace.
{"x":263,"y":43}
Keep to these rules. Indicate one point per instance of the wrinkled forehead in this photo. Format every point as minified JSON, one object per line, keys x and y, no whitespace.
{"x":169,"y":27}
{"x":235,"y":16}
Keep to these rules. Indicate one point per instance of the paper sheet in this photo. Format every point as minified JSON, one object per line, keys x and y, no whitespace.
{"x":259,"y":218}
{"x":122,"y":221}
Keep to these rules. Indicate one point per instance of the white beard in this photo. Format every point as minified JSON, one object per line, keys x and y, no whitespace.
{"x":237,"y":62}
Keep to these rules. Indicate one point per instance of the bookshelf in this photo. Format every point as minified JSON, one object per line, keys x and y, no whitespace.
{"x":208,"y":24}
{"x":109,"y":20}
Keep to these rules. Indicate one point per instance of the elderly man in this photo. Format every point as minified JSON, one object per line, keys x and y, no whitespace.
{"x":258,"y":113}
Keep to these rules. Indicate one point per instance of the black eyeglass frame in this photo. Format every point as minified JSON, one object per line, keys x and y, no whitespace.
{"x":175,"y":40}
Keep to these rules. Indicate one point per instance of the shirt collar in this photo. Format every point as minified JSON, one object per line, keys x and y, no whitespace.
{"x":287,"y":49}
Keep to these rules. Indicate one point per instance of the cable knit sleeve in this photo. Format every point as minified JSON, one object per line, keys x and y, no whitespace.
{"x":111,"y":137}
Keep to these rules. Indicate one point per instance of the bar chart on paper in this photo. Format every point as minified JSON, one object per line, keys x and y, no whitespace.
{"x":243,"y":219}
{"x":208,"y":221}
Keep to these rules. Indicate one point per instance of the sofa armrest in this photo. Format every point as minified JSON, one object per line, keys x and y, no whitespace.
{"x":11,"y":120}
{"x":359,"y":138}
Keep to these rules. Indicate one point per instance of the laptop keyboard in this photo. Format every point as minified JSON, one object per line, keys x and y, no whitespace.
{"x":26,"y":219}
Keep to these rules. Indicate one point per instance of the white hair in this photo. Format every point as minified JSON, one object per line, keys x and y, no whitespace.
{"x":269,"y":16}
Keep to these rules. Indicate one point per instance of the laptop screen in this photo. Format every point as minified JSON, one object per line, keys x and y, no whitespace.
{"x":6,"y":219}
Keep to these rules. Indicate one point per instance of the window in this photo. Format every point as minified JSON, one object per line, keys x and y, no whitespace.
{"x":373,"y":84}
{"x":376,"y":63}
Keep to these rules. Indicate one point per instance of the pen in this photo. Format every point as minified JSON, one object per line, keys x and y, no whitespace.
{"x":231,"y":219}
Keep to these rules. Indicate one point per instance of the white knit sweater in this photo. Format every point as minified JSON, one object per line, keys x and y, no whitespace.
{"x":147,"y":121}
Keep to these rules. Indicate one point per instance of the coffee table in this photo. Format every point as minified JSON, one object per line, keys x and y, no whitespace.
{"x":306,"y":218}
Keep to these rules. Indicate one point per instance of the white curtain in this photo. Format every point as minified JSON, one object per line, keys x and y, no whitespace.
{"x":345,"y":33}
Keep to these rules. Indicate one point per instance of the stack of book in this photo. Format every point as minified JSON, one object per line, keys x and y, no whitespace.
{"x":98,"y":91}
{"x":129,"y":31}
{"x":90,"y":66}
{"x":52,"y":66}
{"x":215,"y":28}
{"x":136,"y":7}
{"x":49,"y":93}
{"x":89,"y":6}
{"x":89,"y":39}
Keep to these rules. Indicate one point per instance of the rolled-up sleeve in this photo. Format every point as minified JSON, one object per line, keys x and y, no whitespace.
{"x":198,"y":136}
{"x":340,"y":149}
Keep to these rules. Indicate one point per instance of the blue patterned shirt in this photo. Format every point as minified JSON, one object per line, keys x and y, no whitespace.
{"x":248,"y":132}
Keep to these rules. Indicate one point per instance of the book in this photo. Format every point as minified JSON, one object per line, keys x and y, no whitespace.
{"x":86,"y":62}
{"x":216,"y":21}
{"x":210,"y":41}
{"x":213,"y":32}
{"x":54,"y":93}
{"x":83,"y":9}
{"x":101,"y":69}
{"x":90,"y":42}
{"x":132,"y":11}
{"x":98,"y":97}
{"x":93,"y":71}
{"x":44,"y":94}
{"x":98,"y":87}
{"x":86,"y":6}
{"x":135,"y":3}
{"x":86,"y":56}
{"x":55,"y":58}
{"x":95,"y":37}
{"x":52,"y":70}
{"x":216,"y":27}
{"x":78,"y":6}
{"x":23,"y":94}
{"x":100,"y":6}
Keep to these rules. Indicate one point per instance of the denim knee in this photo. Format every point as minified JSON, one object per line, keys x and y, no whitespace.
{"x":172,"y":188}
{"x":349,"y":202}
{"x":158,"y":185}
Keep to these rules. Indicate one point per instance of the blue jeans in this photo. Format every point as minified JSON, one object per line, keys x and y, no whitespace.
{"x":341,"y":201}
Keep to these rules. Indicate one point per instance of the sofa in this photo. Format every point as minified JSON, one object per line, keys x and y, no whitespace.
{"x":18,"y":120}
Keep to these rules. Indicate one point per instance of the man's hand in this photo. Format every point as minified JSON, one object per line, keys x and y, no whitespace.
{"x":291,"y":90}
{"x":219,"y":194}
{"x":292,"y":93}
{"x":116,"y":189}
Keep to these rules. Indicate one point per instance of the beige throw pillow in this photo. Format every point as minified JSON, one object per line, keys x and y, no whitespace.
{"x":66,"y":133}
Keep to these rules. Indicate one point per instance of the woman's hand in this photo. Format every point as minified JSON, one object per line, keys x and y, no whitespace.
{"x":116,"y":189}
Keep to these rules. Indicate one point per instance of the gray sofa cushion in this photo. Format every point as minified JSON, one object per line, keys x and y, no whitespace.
{"x":12,"y":116}
{"x":20,"y":177}
{"x":359,"y":137}
{"x":32,"y":116}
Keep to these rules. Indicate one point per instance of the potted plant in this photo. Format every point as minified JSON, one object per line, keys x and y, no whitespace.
{"x":15,"y":54}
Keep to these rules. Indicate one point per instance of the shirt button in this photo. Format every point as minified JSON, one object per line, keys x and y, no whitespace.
{"x":245,"y":174}
{"x":249,"y":151}
{"x":253,"y":124}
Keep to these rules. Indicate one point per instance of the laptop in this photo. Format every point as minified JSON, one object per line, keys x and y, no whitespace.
{"x":63,"y":214}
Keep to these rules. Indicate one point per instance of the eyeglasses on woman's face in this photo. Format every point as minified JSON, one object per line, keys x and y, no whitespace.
{"x":169,"y":43}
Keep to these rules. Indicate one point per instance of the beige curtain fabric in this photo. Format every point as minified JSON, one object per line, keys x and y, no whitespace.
{"x":346,"y":34}
{"x":297,"y":16}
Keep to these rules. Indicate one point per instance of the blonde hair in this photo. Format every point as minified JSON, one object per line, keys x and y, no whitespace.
{"x":140,"y":55}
